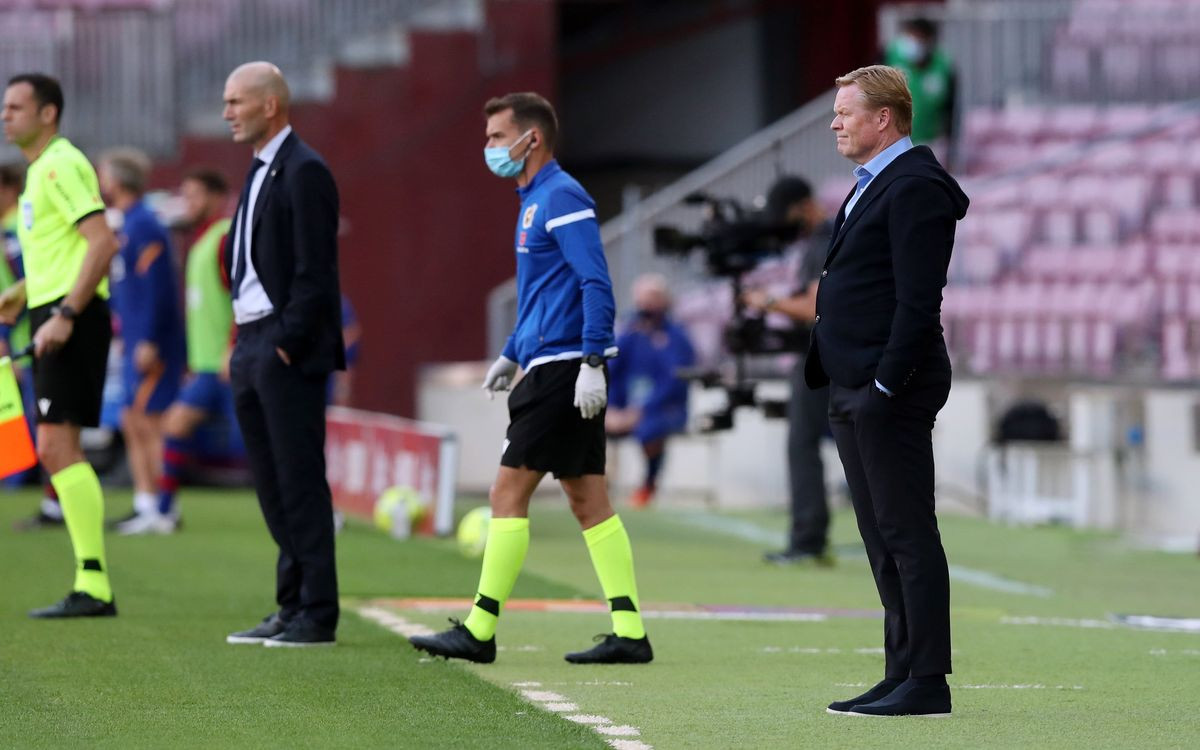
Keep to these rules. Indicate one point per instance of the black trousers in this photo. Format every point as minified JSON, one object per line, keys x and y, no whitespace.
{"x":886,"y":447}
{"x":282,"y":415}
{"x":808,"y":421}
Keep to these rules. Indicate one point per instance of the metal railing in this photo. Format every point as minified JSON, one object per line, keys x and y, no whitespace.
{"x":800,"y":144}
{"x":143,"y":75}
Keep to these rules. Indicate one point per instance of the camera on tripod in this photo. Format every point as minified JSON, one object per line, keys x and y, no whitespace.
{"x":735,"y":239}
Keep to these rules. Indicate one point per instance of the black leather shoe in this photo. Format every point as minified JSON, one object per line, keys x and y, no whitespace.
{"x":77,"y":604}
{"x":880,"y":691}
{"x":270,"y":627}
{"x":614,"y":649}
{"x":39,"y":520}
{"x":910,"y":699}
{"x":302,"y":633}
{"x":456,"y":643}
{"x":800,"y":558}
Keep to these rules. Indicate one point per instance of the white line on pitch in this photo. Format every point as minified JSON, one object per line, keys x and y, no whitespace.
{"x":602,"y":725}
{"x":752,"y":532}
{"x":548,"y":700}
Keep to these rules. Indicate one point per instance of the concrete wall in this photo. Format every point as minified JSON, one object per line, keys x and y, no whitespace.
{"x":1141,"y":487}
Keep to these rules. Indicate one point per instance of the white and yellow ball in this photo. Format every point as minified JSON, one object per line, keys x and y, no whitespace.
{"x":398,"y":511}
{"x":473,"y":530}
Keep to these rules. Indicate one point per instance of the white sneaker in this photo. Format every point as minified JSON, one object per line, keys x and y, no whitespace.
{"x":148,"y":523}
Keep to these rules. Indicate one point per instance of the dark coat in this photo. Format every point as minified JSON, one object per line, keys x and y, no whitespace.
{"x":880,"y":297}
{"x":294,"y":251}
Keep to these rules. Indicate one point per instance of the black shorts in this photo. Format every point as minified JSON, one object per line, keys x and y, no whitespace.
{"x":546,"y":432}
{"x":68,"y":385}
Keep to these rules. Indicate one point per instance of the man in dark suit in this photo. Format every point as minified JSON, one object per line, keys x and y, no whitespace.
{"x":282,"y":262}
{"x":877,"y":340}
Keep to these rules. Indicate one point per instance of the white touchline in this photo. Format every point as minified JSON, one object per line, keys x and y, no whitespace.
{"x":602,"y":725}
{"x":393,"y":622}
{"x":546,"y":699}
{"x":754,"y":533}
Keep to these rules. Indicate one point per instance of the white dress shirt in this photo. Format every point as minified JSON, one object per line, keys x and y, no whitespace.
{"x":252,"y":301}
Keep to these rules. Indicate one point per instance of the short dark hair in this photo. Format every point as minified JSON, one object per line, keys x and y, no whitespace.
{"x":46,"y":90}
{"x":922,"y":26}
{"x":787,"y":191}
{"x":12,"y":176}
{"x":528,"y":109}
{"x":212,"y":180}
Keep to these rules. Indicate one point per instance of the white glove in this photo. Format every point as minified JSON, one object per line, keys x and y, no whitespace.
{"x":499,"y":375}
{"x":591,"y":390}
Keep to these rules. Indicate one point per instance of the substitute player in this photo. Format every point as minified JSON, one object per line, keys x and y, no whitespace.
{"x":206,"y":394}
{"x":67,"y":249}
{"x":146,"y":301}
{"x":563,"y":335}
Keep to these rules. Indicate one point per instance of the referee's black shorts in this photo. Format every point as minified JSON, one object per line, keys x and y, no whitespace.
{"x":546,"y":432}
{"x":68,"y":384}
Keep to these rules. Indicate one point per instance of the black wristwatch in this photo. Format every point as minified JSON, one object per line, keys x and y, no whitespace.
{"x":593,"y":360}
{"x":64,"y":311}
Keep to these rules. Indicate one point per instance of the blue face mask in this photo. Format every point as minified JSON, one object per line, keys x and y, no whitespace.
{"x":499,"y":161}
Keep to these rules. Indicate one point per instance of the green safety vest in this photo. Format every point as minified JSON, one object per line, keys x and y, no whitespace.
{"x":930,"y":87}
{"x":18,"y":335}
{"x":209,"y":310}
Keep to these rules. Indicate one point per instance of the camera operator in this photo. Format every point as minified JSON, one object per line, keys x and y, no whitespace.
{"x":791,"y":201}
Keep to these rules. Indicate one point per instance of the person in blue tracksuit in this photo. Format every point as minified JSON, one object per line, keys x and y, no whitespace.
{"x":562,"y":339}
{"x":648,"y":399}
{"x":146,"y":301}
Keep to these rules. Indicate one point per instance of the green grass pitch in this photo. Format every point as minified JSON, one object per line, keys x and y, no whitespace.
{"x":161,"y":675}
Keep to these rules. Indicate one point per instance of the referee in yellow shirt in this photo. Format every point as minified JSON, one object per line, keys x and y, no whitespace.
{"x":67,"y":250}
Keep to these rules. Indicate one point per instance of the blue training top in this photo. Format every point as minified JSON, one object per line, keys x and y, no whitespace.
{"x":144,"y":288}
{"x":645,"y":377}
{"x":565,"y":304}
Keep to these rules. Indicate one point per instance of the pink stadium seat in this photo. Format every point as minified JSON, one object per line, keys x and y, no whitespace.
{"x":1123,"y":66}
{"x":1100,"y":226}
{"x":1176,"y":363}
{"x":1059,"y":226}
{"x":1179,"y":190}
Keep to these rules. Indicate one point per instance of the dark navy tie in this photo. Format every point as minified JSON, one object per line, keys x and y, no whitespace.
{"x":240,"y":257}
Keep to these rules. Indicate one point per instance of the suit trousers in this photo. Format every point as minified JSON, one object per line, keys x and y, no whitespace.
{"x":808,"y":421}
{"x":281,"y":412}
{"x":886,"y":447}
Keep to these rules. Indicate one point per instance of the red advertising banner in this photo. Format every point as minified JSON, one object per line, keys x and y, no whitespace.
{"x":368,"y":452}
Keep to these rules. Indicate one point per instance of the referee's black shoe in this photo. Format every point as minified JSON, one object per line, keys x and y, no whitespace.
{"x":613,"y":649}
{"x":77,"y":604}
{"x":456,"y":643}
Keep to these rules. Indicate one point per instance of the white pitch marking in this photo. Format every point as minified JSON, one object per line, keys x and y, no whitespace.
{"x":1061,"y":621}
{"x":394,"y":622}
{"x":623,"y":730}
{"x":1180,"y":651}
{"x":549,"y":700}
{"x":588,"y":719}
{"x":520,"y":649}
{"x":604,"y":683}
{"x":1035,"y":686}
{"x":754,"y":533}
{"x":688,"y":614}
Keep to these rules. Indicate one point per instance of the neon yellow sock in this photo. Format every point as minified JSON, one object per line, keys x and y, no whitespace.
{"x":507,"y":543}
{"x":612,"y":557}
{"x":82,"y":502}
